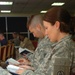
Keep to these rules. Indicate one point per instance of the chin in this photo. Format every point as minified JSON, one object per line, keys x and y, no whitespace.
{"x":52,"y":40}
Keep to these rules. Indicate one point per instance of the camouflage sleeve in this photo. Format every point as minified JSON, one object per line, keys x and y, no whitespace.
{"x":4,"y":72}
{"x":30,"y":56}
{"x":42,"y":68}
{"x":30,"y":72}
{"x":40,"y":71}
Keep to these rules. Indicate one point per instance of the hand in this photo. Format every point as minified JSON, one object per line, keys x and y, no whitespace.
{"x":26,"y":67}
{"x":23,"y":61}
{"x":20,"y":71}
{"x":24,"y":55}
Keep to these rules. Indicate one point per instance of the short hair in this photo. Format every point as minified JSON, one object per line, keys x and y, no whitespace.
{"x":16,"y":33}
{"x":61,"y":15}
{"x":34,"y":20}
{"x":22,"y":35}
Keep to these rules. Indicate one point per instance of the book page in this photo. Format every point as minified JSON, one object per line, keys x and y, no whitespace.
{"x":25,"y":49}
{"x":12,"y":68}
{"x":13,"y":61}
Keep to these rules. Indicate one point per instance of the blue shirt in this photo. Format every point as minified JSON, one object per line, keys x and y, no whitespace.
{"x":3,"y":42}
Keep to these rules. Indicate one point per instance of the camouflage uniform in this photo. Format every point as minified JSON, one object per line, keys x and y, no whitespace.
{"x":63,"y":49}
{"x":40,"y":52}
{"x":4,"y":72}
{"x":27,"y":44}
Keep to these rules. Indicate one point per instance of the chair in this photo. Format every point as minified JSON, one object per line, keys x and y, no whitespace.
{"x":12,"y":51}
{"x":3,"y":53}
{"x":8,"y":51}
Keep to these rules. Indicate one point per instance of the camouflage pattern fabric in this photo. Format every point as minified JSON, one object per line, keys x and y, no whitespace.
{"x":40,"y":52}
{"x":4,"y":72}
{"x":27,"y":44}
{"x":63,"y":49}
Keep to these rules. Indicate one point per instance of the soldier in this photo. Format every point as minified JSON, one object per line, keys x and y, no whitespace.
{"x":15,"y":39}
{"x":25,"y":42}
{"x":35,"y":26}
{"x":58,"y":28}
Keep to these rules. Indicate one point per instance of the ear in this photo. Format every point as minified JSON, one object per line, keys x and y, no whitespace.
{"x":57,"y":24}
{"x":38,"y":27}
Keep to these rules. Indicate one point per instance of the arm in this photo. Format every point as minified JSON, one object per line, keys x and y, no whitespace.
{"x":41,"y":69}
{"x":4,"y":72}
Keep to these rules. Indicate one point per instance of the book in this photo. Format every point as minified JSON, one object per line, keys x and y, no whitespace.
{"x":13,"y":68}
{"x":25,"y":51}
{"x":12,"y":61}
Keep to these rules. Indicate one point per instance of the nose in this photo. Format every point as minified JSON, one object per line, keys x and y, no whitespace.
{"x":34,"y":35}
{"x":45,"y":32}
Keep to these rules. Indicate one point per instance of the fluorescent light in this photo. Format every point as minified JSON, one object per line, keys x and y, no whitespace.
{"x":57,"y":4}
{"x":43,"y":11}
{"x":5,"y":3}
{"x":5,"y":11}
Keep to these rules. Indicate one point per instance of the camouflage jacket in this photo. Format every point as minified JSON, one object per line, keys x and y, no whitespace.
{"x":62,"y":49}
{"x":27,"y":44}
{"x":40,"y":52}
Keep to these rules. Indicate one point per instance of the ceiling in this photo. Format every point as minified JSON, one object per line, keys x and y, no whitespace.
{"x":28,"y":7}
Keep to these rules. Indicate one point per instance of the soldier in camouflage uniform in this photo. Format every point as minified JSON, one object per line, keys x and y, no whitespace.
{"x":59,"y":20}
{"x":57,"y":25}
{"x":43,"y":45}
{"x":62,"y":49}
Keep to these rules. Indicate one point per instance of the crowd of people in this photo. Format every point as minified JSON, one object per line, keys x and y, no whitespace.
{"x":55,"y":52}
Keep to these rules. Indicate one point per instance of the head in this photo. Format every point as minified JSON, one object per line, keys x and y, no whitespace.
{"x":57,"y":23}
{"x":1,"y":36}
{"x":21,"y":37}
{"x":15,"y":34}
{"x":35,"y":26}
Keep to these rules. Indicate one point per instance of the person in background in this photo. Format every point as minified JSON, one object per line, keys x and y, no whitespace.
{"x":15,"y":39}
{"x":25,"y":42}
{"x":16,"y":42}
{"x":35,"y":26}
{"x":3,"y":40}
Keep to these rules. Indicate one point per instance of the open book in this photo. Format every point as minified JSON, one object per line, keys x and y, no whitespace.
{"x":12,"y":61}
{"x":12,"y":68}
{"x":25,"y":51}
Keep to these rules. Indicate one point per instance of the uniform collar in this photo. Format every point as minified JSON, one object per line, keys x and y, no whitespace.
{"x":67,"y":37}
